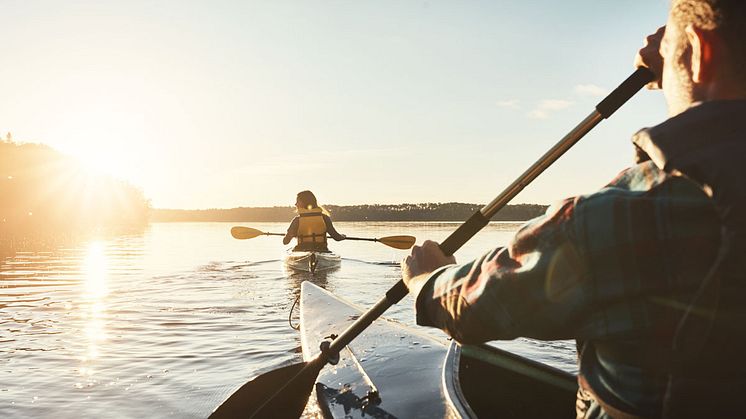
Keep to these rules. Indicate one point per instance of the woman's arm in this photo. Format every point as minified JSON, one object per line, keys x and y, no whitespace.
{"x":292,"y":231}
{"x":331,"y":230}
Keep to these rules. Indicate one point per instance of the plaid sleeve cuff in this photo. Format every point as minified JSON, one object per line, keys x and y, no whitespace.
{"x":425,"y":298}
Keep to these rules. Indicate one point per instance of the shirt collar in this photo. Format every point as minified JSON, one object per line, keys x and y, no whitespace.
{"x":700,"y":126}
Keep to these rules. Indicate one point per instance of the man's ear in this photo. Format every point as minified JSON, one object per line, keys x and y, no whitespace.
{"x":702,"y":62}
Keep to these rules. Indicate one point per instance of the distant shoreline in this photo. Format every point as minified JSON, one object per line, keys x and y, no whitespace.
{"x":443,"y":212}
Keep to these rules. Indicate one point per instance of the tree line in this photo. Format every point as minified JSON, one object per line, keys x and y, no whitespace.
{"x":45,"y":194}
{"x":449,"y":211}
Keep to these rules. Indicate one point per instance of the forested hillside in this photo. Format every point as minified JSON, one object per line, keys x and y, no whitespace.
{"x":44,"y":193}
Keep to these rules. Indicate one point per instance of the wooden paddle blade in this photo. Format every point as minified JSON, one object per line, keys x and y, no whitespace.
{"x":398,"y":242}
{"x":280,"y":393}
{"x":243,"y":233}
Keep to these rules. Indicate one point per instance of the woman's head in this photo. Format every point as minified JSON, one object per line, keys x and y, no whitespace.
{"x":306,"y":200}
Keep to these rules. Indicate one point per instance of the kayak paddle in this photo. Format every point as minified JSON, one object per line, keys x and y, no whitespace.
{"x":284,"y":392}
{"x":397,"y":242}
{"x":243,"y":233}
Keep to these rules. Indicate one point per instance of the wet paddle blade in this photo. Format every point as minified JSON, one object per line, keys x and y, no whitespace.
{"x":280,"y":393}
{"x":398,"y":242}
{"x":243,"y":233}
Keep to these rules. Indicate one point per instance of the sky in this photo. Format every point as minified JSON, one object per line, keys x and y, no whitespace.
{"x":220,"y":104}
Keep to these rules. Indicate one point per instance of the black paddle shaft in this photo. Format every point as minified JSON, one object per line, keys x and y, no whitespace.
{"x":481,"y":218}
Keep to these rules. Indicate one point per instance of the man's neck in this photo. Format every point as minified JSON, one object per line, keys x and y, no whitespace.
{"x":723,"y":88}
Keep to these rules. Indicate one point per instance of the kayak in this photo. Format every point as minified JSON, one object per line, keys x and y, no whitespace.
{"x":311,"y":261}
{"x":393,"y":370}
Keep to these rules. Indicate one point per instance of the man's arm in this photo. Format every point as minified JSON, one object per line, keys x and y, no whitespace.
{"x":593,"y":267}
{"x":526,"y":289}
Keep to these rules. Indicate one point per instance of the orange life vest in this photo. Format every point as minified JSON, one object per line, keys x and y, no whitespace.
{"x":311,"y":228}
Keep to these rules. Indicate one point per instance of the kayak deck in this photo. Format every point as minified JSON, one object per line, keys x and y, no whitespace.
{"x":392,"y":370}
{"x":373,"y":376}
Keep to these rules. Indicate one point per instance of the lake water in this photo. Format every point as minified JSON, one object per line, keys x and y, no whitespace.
{"x":169,"y":322}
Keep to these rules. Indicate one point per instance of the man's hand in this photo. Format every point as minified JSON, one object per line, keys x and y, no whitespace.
{"x":649,"y":56}
{"x":422,"y":261}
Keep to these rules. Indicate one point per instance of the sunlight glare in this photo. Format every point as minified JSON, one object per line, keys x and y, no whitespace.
{"x":96,"y":272}
{"x":105,"y":142}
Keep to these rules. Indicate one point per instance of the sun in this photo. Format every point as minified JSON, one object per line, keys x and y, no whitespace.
{"x":105,"y":142}
{"x":97,"y":162}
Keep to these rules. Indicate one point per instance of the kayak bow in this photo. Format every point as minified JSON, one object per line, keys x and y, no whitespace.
{"x":392,"y":370}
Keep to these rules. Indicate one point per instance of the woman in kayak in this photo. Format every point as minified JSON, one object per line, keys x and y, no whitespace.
{"x":311,"y":225}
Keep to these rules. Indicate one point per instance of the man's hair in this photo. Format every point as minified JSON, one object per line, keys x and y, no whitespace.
{"x":726,"y":17}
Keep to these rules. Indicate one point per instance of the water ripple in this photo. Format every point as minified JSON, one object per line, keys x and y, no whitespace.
{"x":171,"y":322}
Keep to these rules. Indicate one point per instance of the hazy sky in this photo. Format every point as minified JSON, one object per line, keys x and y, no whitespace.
{"x":210,"y":104}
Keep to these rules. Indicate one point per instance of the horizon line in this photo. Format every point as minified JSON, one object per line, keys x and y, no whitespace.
{"x":339,"y":205}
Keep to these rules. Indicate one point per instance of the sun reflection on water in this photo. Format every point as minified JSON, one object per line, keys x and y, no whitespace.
{"x":93,"y":308}
{"x":96,"y":269}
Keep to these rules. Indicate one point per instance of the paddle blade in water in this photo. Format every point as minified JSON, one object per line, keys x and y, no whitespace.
{"x":243,"y":233}
{"x":280,"y":393}
{"x":398,"y":242}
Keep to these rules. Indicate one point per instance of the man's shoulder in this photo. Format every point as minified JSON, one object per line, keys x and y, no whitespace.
{"x":643,"y":186}
{"x":641,"y":177}
{"x":646,"y":179}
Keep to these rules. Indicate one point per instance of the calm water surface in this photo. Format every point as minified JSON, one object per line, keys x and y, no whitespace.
{"x":170,"y":322}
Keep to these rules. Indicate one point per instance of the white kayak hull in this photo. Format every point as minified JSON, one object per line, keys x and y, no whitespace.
{"x":395,"y":371}
{"x":372,"y":378}
{"x":309,"y":261}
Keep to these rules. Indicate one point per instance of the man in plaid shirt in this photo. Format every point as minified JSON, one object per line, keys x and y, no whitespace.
{"x":619,"y":269}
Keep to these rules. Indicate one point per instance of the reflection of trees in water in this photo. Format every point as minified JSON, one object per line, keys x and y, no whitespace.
{"x":51,"y":241}
{"x":47,"y":199}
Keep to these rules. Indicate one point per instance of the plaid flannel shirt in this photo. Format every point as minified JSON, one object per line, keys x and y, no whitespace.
{"x":613,"y":268}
